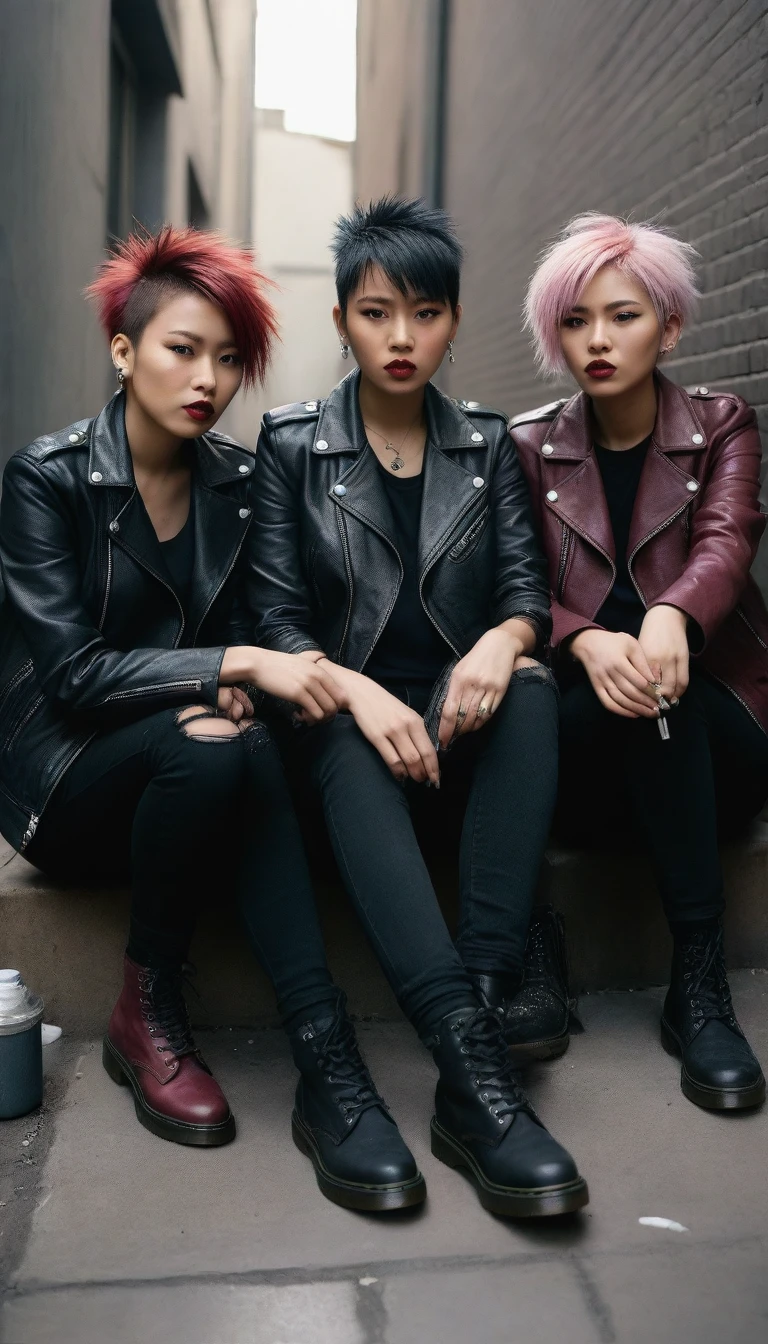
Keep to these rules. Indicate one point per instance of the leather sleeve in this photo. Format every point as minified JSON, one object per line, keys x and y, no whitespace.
{"x":725,"y":530}
{"x":521,"y":588}
{"x":73,"y":662}
{"x":279,"y":601}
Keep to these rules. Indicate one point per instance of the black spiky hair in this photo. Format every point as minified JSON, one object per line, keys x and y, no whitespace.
{"x":415,"y":246}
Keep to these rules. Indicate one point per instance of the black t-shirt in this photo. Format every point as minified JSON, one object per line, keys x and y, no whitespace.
{"x":409,"y":650}
{"x":622,"y":610}
{"x":179,"y":556}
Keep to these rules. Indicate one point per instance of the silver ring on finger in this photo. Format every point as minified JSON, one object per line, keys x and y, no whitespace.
{"x":461,"y":713}
{"x":484,"y":711}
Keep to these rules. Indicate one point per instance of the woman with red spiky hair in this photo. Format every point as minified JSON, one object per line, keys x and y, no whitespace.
{"x":647,"y":502}
{"x":126,"y":740}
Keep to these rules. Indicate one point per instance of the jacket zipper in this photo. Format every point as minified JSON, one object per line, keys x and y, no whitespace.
{"x":22,"y":722}
{"x":350,"y":580}
{"x":34,"y":817}
{"x":389,"y":543}
{"x":18,"y":676}
{"x":644,"y":542}
{"x":751,"y":628}
{"x":736,"y":696}
{"x":565,"y":546}
{"x":159,"y":688}
{"x":218,"y":590}
{"x":431,"y":564}
{"x":109,"y":584}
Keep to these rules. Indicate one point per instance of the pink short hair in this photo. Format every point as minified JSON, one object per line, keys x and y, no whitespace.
{"x":653,"y":257}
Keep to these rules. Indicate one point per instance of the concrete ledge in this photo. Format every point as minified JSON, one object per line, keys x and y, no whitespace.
{"x":68,"y":942}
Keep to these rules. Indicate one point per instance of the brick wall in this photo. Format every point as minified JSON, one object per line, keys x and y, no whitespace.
{"x":637,"y":106}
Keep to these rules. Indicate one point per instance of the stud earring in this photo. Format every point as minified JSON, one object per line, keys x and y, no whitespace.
{"x":451,"y":355}
{"x":344,"y":348}
{"x":120,"y":374}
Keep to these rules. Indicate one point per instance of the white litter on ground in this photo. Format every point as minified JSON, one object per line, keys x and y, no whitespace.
{"x":667,"y":1223}
{"x":50,"y":1033}
{"x":367,"y":1281}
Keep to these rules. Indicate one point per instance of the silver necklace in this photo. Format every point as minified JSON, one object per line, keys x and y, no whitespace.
{"x":397,"y":462}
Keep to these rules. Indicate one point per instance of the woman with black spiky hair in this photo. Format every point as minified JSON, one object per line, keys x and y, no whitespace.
{"x":394,"y":546}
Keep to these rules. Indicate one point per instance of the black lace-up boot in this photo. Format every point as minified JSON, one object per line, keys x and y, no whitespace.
{"x":484,"y":1123}
{"x":537,"y":1012}
{"x":698,"y":1024}
{"x":344,"y":1126}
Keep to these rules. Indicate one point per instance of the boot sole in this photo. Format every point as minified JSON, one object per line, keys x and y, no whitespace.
{"x":540,"y":1202}
{"x":552,"y":1048}
{"x":711,"y":1098}
{"x":350,"y":1195}
{"x":176,"y":1131}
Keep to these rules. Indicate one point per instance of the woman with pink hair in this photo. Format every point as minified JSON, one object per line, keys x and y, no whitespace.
{"x":647,"y":503}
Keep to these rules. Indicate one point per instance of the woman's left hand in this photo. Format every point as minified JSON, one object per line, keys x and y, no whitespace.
{"x":234,"y":704}
{"x":479,"y":684}
{"x":664,"y":642}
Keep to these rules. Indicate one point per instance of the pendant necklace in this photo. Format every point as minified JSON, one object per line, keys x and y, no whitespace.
{"x":397,"y":462}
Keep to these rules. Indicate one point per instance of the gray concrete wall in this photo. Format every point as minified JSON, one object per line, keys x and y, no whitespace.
{"x":54,"y":66}
{"x":54,"y":148}
{"x":620,"y":105}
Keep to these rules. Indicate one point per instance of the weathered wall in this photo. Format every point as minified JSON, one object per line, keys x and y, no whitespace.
{"x":54,"y":152}
{"x":54,"y":67}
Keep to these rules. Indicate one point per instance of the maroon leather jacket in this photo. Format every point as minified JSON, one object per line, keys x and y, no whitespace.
{"x":695,"y":527}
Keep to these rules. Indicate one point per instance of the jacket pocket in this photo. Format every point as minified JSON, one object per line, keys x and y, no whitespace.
{"x":471,"y":538}
{"x":20,"y":700}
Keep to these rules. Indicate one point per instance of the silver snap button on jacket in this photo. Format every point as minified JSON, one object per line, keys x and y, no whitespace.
{"x":552,"y":496}
{"x":340,"y":490}
{"x":244,"y":469}
{"x":692,"y":486}
{"x":321,"y":445}
{"x":477,"y":482}
{"x":547,"y":449}
{"x":245,"y":513}
{"x":697,"y":438}
{"x":96,"y":476}
{"x":477,"y":438}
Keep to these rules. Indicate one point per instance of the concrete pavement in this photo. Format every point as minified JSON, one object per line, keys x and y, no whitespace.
{"x":117,"y":1237}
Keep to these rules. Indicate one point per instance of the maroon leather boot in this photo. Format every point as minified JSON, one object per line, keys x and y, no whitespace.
{"x":149,"y":1045}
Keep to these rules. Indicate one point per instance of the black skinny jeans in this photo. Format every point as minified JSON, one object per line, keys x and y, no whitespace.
{"x":191,"y":819}
{"x":512,"y":767}
{"x":618,"y":776}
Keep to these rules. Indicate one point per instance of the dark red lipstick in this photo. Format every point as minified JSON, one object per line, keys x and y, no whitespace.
{"x":400,"y":369}
{"x":199,"y":410}
{"x":600,"y":368}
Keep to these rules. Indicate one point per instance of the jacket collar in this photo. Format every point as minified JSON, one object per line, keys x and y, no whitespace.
{"x":677,"y":430}
{"x":220,"y":519}
{"x":449,"y":488}
{"x":663,"y":493}
{"x":340,"y":427}
{"x":110,"y":464}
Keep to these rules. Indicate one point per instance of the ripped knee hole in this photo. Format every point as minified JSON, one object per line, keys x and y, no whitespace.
{"x":529,"y":670}
{"x":210,"y":728}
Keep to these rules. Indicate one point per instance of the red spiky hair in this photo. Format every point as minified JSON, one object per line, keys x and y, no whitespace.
{"x":130,"y":285}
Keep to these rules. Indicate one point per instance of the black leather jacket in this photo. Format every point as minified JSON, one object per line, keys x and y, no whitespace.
{"x":91,"y":631}
{"x":325,"y":571}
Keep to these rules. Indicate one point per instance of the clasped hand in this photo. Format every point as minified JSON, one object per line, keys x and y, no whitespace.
{"x":628,"y":675}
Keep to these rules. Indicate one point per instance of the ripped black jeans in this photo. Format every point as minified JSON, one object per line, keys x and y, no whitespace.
{"x":192,"y":819}
{"x":505,"y":778}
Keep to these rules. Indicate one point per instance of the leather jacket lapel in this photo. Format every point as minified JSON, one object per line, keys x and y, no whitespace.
{"x":576,"y":497}
{"x":449,"y":492}
{"x":661,"y":495}
{"x":220,"y":527}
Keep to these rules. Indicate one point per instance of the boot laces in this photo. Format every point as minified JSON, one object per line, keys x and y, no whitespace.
{"x":494,"y":1073}
{"x":342,"y":1064}
{"x":708,"y":989}
{"x":168,"y":1011}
